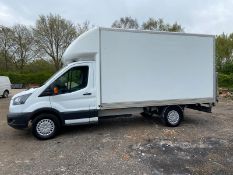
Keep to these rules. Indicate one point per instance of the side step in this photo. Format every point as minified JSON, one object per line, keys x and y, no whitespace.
{"x":81,"y":121}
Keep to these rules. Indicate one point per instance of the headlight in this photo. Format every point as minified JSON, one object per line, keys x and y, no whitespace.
{"x":20,"y":99}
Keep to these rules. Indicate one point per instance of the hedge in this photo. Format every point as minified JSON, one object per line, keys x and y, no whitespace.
{"x":225,"y":80}
{"x":23,"y":78}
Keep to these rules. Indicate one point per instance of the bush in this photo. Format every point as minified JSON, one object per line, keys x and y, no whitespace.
{"x":26,"y":78}
{"x":225,"y":80}
{"x":227,"y":68}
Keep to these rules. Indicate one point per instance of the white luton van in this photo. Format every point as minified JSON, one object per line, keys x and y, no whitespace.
{"x":112,"y":72}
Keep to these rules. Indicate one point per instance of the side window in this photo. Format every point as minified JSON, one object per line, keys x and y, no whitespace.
{"x":73,"y":80}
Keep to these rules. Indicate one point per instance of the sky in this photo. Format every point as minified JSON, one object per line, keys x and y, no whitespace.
{"x":195,"y":16}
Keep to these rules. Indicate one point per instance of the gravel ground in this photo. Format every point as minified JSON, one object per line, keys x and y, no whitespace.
{"x":202,"y":144}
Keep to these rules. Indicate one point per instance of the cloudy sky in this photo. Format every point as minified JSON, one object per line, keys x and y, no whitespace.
{"x":196,"y":16}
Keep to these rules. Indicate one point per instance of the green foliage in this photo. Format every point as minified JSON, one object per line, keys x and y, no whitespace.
{"x":151,"y":24}
{"x":126,"y":23}
{"x":225,"y":80}
{"x":227,"y":68}
{"x":35,"y":72}
{"x":224,"y":60}
{"x":224,"y":53}
{"x":26,"y":78}
{"x":160,"y":25}
{"x":39,"y":65}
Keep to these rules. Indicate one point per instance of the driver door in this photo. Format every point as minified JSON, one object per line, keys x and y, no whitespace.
{"x":75,"y":94}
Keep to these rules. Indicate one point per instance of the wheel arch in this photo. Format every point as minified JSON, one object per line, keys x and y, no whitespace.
{"x":47,"y":111}
{"x":162,"y":108}
{"x":6,"y":90}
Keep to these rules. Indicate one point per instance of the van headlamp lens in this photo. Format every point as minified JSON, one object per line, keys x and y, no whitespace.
{"x":20,"y":99}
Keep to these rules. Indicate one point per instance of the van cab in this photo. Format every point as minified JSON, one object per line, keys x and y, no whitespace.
{"x":66,"y":98}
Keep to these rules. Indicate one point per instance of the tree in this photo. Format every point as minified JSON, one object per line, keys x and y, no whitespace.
{"x":40,"y":65}
{"x":159,"y":25}
{"x":23,"y":46}
{"x":6,"y":44}
{"x":126,"y":23}
{"x":224,"y":51}
{"x":53,"y":34}
{"x":175,"y":28}
{"x":81,"y":28}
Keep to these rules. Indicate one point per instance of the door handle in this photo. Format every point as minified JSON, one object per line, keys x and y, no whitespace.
{"x":87,"y":93}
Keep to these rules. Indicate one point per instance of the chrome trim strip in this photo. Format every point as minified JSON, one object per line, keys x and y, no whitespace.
{"x":94,"y":119}
{"x":77,"y":121}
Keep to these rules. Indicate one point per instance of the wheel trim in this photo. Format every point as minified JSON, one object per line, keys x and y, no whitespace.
{"x":173,"y":117}
{"x":45,"y":127}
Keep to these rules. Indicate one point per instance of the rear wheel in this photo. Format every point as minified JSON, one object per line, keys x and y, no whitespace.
{"x":45,"y":126}
{"x":5,"y":94}
{"x":172,"y":115}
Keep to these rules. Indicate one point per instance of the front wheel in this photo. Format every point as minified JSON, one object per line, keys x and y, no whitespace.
{"x":45,"y":126}
{"x":172,"y":115}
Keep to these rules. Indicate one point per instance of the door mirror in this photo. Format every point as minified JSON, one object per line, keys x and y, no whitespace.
{"x":55,"y":90}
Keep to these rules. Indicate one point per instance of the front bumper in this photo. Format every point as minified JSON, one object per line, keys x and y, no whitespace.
{"x":18,"y":120}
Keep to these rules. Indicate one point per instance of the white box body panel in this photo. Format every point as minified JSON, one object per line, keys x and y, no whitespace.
{"x":137,"y":67}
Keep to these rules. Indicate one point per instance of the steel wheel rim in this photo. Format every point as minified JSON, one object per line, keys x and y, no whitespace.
{"x":173,"y":117}
{"x":45,"y":127}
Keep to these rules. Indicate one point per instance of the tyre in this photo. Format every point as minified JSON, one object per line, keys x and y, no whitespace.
{"x":172,"y":115}
{"x":45,"y":126}
{"x":5,"y":94}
